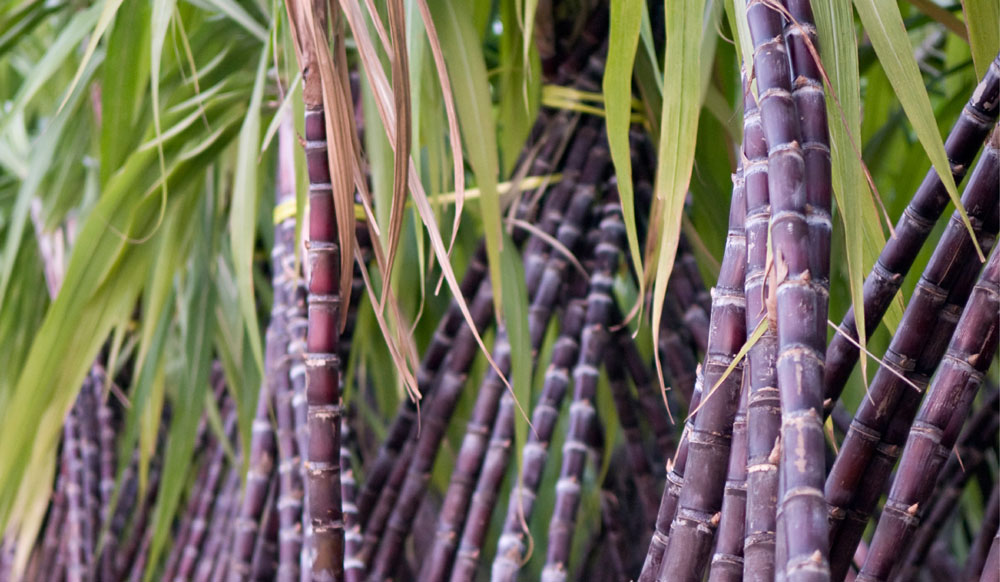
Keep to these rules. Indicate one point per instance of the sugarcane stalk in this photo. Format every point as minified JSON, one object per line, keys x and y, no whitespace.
{"x":264,"y":562}
{"x":763,"y":406}
{"x":912,"y":229}
{"x":810,"y":102}
{"x":625,"y":406}
{"x":210,"y":489}
{"x":449,"y":325}
{"x":353,"y":568}
{"x":688,"y":549}
{"x":800,"y":302}
{"x":405,"y":417}
{"x":221,"y":520}
{"x":90,"y":454}
{"x":285,"y":281}
{"x":322,"y":361}
{"x":44,"y":560}
{"x":727,"y":563}
{"x":679,"y":346}
{"x":949,"y":398}
{"x":671,"y":493}
{"x":991,"y":570}
{"x":487,"y":488}
{"x":252,"y":508}
{"x":467,"y":466}
{"x":583,"y":415}
{"x":979,"y":552}
{"x":883,"y":419}
{"x":187,"y":518}
{"x":614,"y":534}
{"x":680,"y":363}
{"x":969,"y":454}
{"x":108,"y":469}
{"x":436,"y":352}
{"x":76,"y":565}
{"x":410,"y":472}
{"x":544,"y":298}
{"x":512,"y":546}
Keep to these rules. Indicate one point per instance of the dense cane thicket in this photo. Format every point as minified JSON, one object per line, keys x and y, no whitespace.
{"x":322,"y":383}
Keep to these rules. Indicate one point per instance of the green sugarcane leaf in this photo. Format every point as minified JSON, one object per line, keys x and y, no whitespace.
{"x":682,"y":97}
{"x":863,"y":237}
{"x":470,"y":85}
{"x":516,"y":322}
{"x":982,"y":18}
{"x":108,"y":10}
{"x":884,"y":25}
{"x":623,"y":40}
{"x":520,"y":83}
{"x":742,"y":30}
{"x":280,"y":113}
{"x":123,"y":86}
{"x":239,"y":15}
{"x":43,"y":152}
{"x":191,"y":385}
{"x":243,"y":217}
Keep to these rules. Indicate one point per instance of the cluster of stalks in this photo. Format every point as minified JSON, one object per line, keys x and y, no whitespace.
{"x":750,"y":486}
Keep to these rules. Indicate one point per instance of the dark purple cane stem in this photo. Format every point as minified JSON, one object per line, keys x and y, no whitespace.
{"x":262,"y":454}
{"x":688,"y":549}
{"x":912,"y":230}
{"x":543,"y":299}
{"x":727,"y":563}
{"x":487,"y":488}
{"x":353,"y":568}
{"x":512,"y":544}
{"x":583,"y":415}
{"x":210,"y":491}
{"x":264,"y":563}
{"x":625,"y":406}
{"x":410,"y":473}
{"x":801,"y":303}
{"x":76,"y":562}
{"x":991,"y":570}
{"x":220,"y":522}
{"x":975,"y":565}
{"x":468,"y":463}
{"x":763,"y":407}
{"x":671,"y":494}
{"x":932,"y":437}
{"x":970,"y":453}
{"x":882,"y":422}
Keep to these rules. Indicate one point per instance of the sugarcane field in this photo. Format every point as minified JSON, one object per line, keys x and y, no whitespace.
{"x":499,"y":290}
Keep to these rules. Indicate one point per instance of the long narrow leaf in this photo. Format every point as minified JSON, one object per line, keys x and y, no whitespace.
{"x":623,"y":40}
{"x":884,"y":25}
{"x":678,"y":130}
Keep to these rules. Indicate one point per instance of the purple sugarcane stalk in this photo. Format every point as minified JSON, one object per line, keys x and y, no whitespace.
{"x":671,"y":494}
{"x":763,"y":406}
{"x":976,"y":562}
{"x":512,"y":545}
{"x":912,"y":229}
{"x":801,"y":303}
{"x":937,"y":426}
{"x":583,"y":415}
{"x":688,"y":548}
{"x":727,"y":563}
{"x":882,"y":422}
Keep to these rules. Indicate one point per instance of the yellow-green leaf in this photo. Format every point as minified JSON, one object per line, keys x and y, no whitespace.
{"x":678,"y":132}
{"x":982,"y":18}
{"x":884,"y":25}
{"x":243,"y":216}
{"x":623,"y":40}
